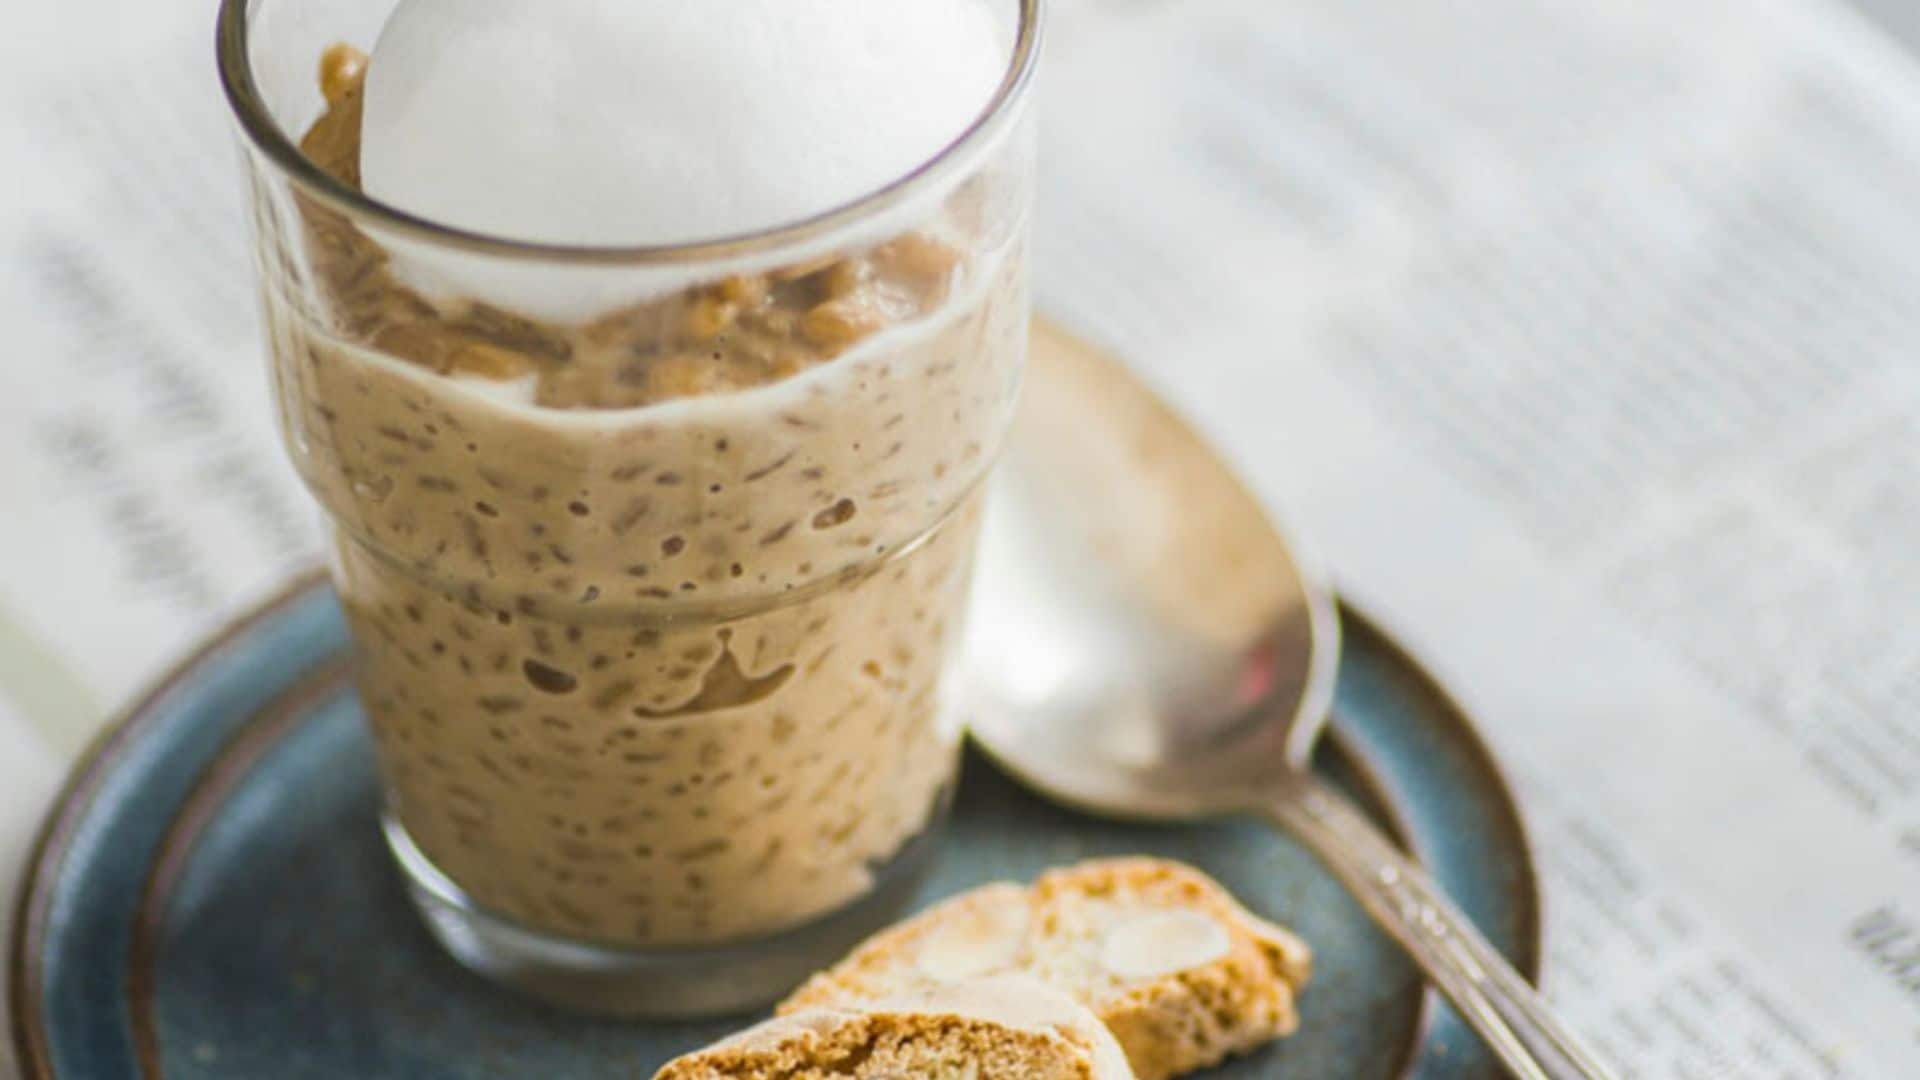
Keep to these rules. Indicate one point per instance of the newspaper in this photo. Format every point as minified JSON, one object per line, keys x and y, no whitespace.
{"x":1578,"y":337}
{"x":1573,"y":335}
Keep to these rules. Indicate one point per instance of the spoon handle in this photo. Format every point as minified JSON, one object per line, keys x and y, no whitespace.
{"x":1508,"y":1013}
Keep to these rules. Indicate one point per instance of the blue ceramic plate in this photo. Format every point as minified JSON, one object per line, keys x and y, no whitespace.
{"x":211,"y":898}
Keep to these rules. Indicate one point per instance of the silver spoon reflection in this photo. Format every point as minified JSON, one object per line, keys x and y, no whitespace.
{"x":1145,"y":644}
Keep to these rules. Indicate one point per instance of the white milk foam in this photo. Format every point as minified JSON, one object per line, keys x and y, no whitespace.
{"x":653,"y":122}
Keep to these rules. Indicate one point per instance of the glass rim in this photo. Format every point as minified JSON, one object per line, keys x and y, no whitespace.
{"x":265,"y":134}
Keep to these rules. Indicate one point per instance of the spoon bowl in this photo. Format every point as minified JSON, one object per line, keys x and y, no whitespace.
{"x":1137,"y":648}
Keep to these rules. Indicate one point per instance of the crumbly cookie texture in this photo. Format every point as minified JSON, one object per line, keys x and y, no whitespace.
{"x":1004,"y":1028}
{"x":1179,"y":972}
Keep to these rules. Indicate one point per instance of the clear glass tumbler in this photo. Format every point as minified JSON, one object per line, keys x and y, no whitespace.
{"x":656,"y":559}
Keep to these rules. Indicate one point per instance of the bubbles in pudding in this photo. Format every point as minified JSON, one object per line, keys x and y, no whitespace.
{"x":631,"y":122}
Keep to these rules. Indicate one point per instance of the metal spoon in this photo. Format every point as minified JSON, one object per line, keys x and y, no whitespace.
{"x":1145,"y":644}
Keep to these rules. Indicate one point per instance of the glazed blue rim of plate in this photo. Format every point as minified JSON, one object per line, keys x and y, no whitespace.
{"x":91,"y":774}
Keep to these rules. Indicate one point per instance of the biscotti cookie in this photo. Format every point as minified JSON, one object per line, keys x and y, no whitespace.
{"x":1179,"y":972}
{"x":1004,"y":1028}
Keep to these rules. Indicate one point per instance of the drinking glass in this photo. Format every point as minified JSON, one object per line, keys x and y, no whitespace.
{"x":655,"y":559}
